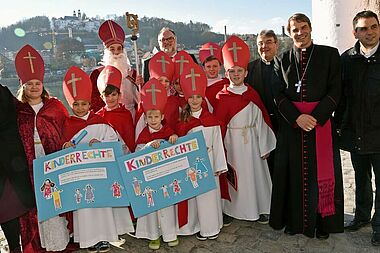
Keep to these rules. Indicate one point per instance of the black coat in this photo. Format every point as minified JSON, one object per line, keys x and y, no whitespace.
{"x":295,"y":187}
{"x":13,"y":164}
{"x":358,"y":115}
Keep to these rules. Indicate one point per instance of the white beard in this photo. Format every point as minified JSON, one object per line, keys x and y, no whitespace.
{"x":127,"y":89}
{"x":120,"y":61}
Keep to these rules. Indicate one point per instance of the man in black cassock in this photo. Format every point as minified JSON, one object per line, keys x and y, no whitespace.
{"x":307,"y":194}
{"x":260,"y":74}
{"x":16,"y":195}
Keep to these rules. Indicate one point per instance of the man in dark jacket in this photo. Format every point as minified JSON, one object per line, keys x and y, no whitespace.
{"x":260,"y":74}
{"x":16,"y":195}
{"x":358,"y":118}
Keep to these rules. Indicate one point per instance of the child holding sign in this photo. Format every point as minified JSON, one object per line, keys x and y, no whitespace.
{"x":93,"y":227}
{"x":204,"y":209}
{"x":162,"y":222}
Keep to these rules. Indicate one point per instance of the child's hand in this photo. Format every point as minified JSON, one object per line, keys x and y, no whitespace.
{"x":173,"y":138}
{"x":264,"y":157}
{"x":93,"y":141}
{"x":155,"y":144}
{"x":68,"y":144}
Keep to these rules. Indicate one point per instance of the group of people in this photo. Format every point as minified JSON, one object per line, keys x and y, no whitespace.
{"x":272,"y":127}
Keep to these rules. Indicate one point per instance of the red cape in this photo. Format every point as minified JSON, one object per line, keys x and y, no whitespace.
{"x":49,"y":123}
{"x":145,"y":136}
{"x":74,"y":124}
{"x":229,"y":104}
{"x":121,"y":120}
{"x":212,"y":90}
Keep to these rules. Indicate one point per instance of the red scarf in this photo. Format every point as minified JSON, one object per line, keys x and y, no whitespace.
{"x":325,"y":163}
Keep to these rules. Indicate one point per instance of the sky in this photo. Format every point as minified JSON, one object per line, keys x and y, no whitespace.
{"x":240,"y":16}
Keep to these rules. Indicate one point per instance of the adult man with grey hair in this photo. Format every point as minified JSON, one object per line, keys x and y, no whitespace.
{"x":167,"y":41}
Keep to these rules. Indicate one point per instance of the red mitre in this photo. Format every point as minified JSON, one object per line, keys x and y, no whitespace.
{"x":76,"y":85}
{"x":193,"y":81}
{"x":110,"y":75}
{"x":210,"y":49}
{"x":110,"y":33}
{"x":235,"y":53}
{"x":153,"y":96}
{"x":181,"y":60}
{"x":29,"y":64}
{"x":161,"y":65}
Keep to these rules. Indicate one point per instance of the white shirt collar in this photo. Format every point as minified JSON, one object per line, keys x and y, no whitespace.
{"x":237,"y":89}
{"x":370,"y":52}
{"x":196,"y":114}
{"x":151,"y":130}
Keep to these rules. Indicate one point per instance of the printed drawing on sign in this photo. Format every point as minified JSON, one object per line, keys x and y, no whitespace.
{"x":176,"y":171}
{"x":78,"y":196}
{"x":148,"y":192}
{"x":200,"y":166}
{"x":193,"y":175}
{"x":77,"y":173}
{"x":136,"y":186}
{"x":176,"y":187}
{"x":56,"y":193}
{"x":165,"y":191}
{"x":46,"y":188}
{"x":89,"y":195}
{"x":116,"y":189}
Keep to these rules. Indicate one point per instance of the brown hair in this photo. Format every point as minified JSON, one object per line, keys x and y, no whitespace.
{"x":186,"y":113}
{"x":299,"y":17}
{"x":109,"y":89}
{"x":211,"y":58}
{"x":363,"y":14}
{"x":268,"y":33}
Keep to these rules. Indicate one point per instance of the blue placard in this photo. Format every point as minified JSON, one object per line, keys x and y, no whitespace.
{"x":81,"y":177}
{"x":157,"y":178}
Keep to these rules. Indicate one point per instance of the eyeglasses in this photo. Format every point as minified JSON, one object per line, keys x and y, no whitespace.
{"x":268,"y":43}
{"x":169,"y":39}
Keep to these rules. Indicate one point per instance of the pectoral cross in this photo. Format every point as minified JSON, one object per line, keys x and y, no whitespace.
{"x":298,"y":85}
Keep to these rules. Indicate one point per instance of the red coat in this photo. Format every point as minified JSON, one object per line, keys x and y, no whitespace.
{"x":212,"y":91}
{"x":145,"y":136}
{"x":49,"y":123}
{"x":121,"y":120}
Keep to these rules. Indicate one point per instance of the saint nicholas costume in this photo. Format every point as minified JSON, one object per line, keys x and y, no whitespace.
{"x":247,"y":139}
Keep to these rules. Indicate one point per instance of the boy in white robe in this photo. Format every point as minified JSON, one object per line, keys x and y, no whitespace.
{"x":248,"y":139}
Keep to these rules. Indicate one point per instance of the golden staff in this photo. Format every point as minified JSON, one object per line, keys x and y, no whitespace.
{"x":133,"y":23}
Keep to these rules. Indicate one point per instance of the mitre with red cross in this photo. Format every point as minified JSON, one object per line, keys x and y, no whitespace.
{"x":110,"y":75}
{"x":111,"y":33}
{"x":193,"y":81}
{"x":181,"y":60}
{"x":210,"y":49}
{"x":235,"y":53}
{"x":161,"y":65}
{"x":29,"y":64}
{"x":76,"y":85}
{"x":153,"y":96}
